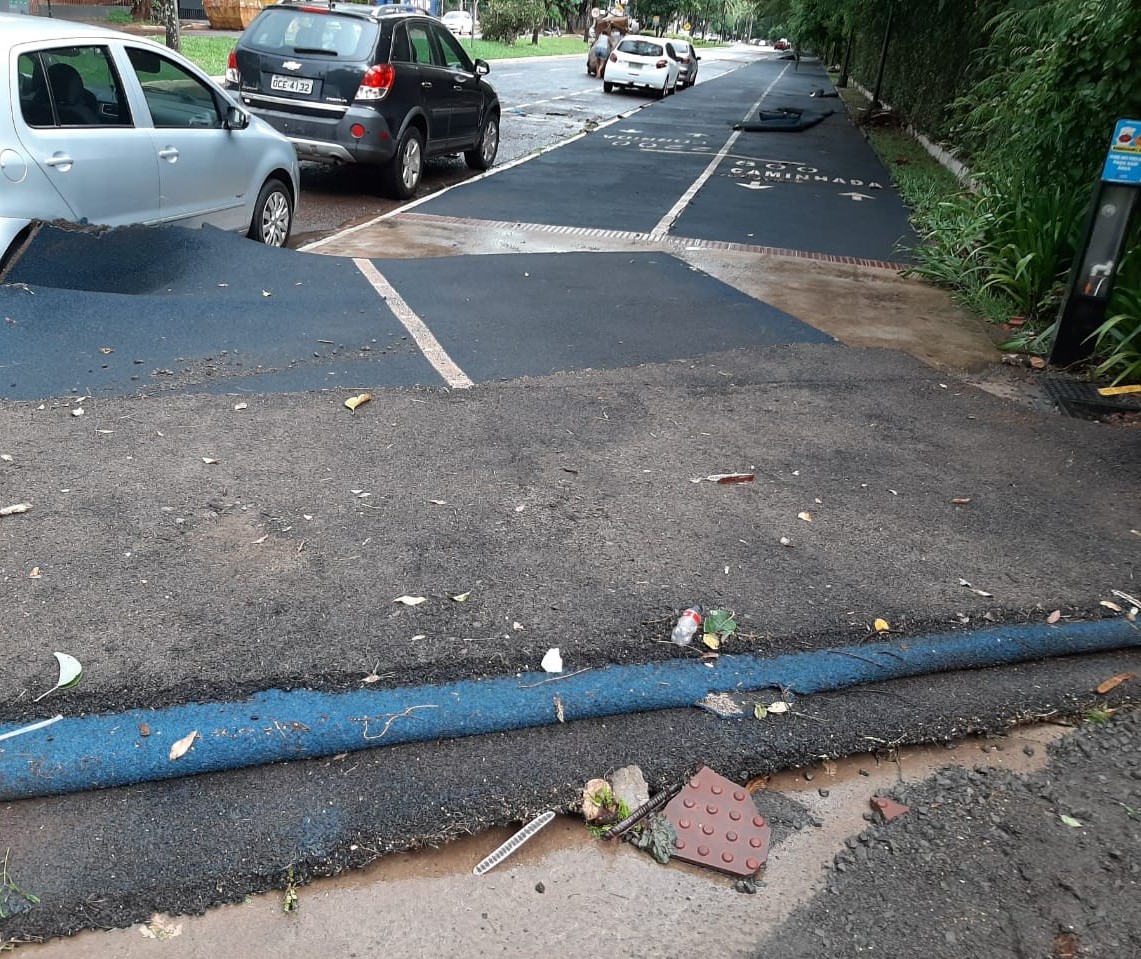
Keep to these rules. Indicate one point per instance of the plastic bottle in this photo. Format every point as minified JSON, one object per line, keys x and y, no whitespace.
{"x":687,"y":626}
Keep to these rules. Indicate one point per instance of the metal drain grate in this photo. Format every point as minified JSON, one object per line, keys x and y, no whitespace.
{"x":1081,"y":400}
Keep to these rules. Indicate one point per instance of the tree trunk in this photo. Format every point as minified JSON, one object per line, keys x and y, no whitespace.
{"x":173,"y":27}
{"x":535,"y":37}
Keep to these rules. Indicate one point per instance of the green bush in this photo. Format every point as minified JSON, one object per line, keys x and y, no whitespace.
{"x":504,"y":21}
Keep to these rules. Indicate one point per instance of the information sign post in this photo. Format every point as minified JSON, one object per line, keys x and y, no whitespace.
{"x":1099,"y":256}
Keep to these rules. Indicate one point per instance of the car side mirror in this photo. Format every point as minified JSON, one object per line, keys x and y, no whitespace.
{"x":236,"y":118}
{"x":696,"y":57}
{"x":482,"y":68}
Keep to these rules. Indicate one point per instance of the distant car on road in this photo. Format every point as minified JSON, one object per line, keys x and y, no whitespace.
{"x":642,"y":62}
{"x":687,"y":59}
{"x":782,"y":44}
{"x":348,"y":83}
{"x":459,"y":22}
{"x":101,"y":127}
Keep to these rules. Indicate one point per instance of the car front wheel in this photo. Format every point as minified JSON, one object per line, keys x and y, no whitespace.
{"x":482,"y":155}
{"x":608,"y":88}
{"x":273,"y":214}
{"x":401,"y":175}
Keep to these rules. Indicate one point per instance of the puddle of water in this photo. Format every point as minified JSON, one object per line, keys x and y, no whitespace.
{"x":597,"y":896}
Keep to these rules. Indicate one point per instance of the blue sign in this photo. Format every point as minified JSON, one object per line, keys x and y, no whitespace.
{"x":1123,"y":162}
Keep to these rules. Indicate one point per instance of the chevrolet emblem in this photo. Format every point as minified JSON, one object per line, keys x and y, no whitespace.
{"x":291,"y":65}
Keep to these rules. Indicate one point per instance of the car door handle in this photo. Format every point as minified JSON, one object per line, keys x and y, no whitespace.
{"x":168,"y":153}
{"x":61,"y":160}
{"x":426,"y":84}
{"x":458,"y":87}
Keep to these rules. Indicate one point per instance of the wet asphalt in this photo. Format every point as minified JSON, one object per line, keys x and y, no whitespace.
{"x":187,"y":549}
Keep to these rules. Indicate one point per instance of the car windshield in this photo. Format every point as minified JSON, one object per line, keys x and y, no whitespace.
{"x":681,"y":48}
{"x":287,"y":30}
{"x":641,"y":48}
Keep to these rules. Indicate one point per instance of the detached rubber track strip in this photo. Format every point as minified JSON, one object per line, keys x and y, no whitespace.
{"x":112,"y":750}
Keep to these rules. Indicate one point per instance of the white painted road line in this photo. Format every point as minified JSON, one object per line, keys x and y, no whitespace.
{"x":429,"y":345}
{"x":669,"y":219}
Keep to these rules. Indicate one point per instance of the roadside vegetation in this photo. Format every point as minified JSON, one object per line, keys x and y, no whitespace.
{"x":1026,"y":95}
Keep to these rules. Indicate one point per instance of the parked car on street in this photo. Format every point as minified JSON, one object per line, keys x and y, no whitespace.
{"x":459,"y":22}
{"x":782,"y":44}
{"x":100,"y":127}
{"x":348,"y":83}
{"x":642,"y":62}
{"x":596,"y":58}
{"x":687,"y":59}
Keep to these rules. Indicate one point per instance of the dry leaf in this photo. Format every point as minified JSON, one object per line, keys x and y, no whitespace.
{"x":35,"y":573}
{"x":1070,"y":820}
{"x":438,"y":502}
{"x":266,"y":293}
{"x":106,"y":350}
{"x":182,"y":747}
{"x":961,"y":500}
{"x":1037,"y":362}
{"x":240,"y":406}
{"x":1054,"y":617}
{"x":411,"y":600}
{"x":1108,"y":605}
{"x":260,"y":540}
{"x":354,"y":401}
{"x":209,"y":460}
{"x":560,"y":713}
{"x":462,"y":597}
{"x":977,"y":592}
{"x":161,"y":927}
{"x":520,"y":507}
{"x":78,"y":411}
{"x":1114,"y":681}
{"x":806,"y":516}
{"x":785,"y":541}
{"x":778,"y":707}
{"x":726,"y":478}
{"x":712,"y":640}
{"x":882,"y":626}
{"x":7,"y":457}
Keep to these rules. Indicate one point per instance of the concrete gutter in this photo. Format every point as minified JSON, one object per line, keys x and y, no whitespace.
{"x":90,"y":752}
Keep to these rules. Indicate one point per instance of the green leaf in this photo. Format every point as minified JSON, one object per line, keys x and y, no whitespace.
{"x":759,"y":711}
{"x":721,"y":622}
{"x":1071,"y":822}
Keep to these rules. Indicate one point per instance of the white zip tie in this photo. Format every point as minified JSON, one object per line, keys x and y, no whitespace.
{"x":32,"y":728}
{"x":514,"y":842}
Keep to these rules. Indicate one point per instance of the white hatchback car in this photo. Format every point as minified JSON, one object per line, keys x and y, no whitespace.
{"x":458,"y":21}
{"x":100,"y":127}
{"x":642,"y":62}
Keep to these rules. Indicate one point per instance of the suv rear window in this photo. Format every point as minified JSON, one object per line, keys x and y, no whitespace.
{"x":293,"y":31}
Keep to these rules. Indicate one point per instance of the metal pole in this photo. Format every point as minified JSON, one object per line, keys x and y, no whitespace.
{"x":883,"y":56}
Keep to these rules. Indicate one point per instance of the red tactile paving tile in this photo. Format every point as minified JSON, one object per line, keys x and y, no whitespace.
{"x":718,"y":825}
{"x":888,"y":809}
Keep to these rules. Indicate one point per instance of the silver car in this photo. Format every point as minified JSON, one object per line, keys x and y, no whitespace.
{"x":100,"y":127}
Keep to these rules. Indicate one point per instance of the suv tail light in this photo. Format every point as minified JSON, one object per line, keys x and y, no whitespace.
{"x":376,"y":82}
{"x":232,"y":74}
{"x":661,"y":64}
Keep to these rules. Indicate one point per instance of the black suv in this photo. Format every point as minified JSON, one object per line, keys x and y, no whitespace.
{"x":354,"y":84}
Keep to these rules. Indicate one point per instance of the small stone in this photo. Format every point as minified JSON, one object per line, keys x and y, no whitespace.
{"x":864,"y":772}
{"x":823,"y":793}
{"x":540,"y":888}
{"x":1028,"y":750}
{"x":808,"y":777}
